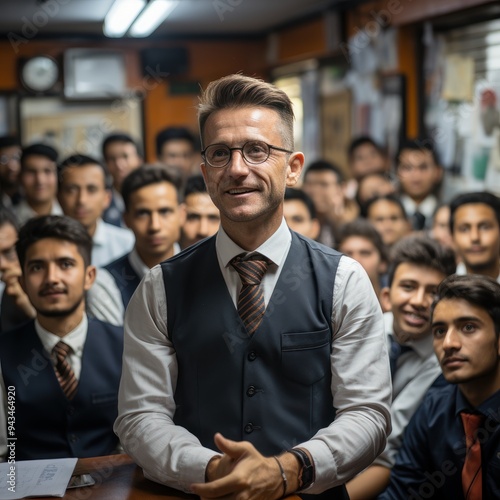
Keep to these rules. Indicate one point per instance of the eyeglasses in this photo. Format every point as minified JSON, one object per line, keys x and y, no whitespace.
{"x":253,"y":152}
{"x":4,"y":159}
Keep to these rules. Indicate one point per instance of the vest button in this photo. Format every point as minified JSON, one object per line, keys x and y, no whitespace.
{"x":251,"y":391}
{"x":249,"y":428}
{"x":252,"y":356}
{"x":71,"y":410}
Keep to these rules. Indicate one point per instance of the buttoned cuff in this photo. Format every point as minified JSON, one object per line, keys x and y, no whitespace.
{"x":192,"y":466}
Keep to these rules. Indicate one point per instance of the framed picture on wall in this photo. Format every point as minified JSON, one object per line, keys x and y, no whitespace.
{"x":78,"y":127}
{"x":336,"y":124}
{"x":393,"y":112}
{"x":8,"y":114}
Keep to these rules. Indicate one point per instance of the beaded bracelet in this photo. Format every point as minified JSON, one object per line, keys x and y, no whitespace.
{"x":283,"y":475}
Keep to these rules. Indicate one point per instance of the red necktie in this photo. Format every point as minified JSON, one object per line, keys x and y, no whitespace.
{"x":251,"y":306}
{"x":65,"y":374}
{"x":472,"y":477}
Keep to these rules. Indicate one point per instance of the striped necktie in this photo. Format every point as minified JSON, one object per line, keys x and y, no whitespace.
{"x":251,"y":305}
{"x":65,"y":374}
{"x":472,"y":477}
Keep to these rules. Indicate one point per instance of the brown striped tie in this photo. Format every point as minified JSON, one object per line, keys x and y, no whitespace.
{"x":64,"y":372}
{"x":251,"y":306}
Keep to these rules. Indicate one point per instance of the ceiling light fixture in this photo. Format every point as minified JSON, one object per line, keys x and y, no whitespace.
{"x":152,"y":16}
{"x":120,"y":16}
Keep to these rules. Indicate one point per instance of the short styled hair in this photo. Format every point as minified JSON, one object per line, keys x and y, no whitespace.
{"x":122,"y":138}
{"x":145,"y":176}
{"x":79,"y":160}
{"x":194,"y":184}
{"x":300,"y":195}
{"x":7,"y":141}
{"x":324,"y":166}
{"x":174,"y":133}
{"x":423,"y":145}
{"x":421,"y":251}
{"x":483,"y":197}
{"x":391,"y":198}
{"x":38,"y":149}
{"x":364,"y":229}
{"x":361,"y":141}
{"x":59,"y":227}
{"x":480,"y":291}
{"x":239,"y":91}
{"x":8,"y":218}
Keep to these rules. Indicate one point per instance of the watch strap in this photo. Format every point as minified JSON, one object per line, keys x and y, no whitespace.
{"x":306,"y":475}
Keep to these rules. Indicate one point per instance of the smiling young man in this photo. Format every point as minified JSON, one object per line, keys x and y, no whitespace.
{"x":475,"y":228}
{"x":452,"y":445}
{"x":417,"y":267}
{"x":65,"y":368}
{"x":245,"y":366}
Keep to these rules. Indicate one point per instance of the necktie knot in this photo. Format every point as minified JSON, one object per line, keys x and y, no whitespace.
{"x":251,"y":304}
{"x":251,"y":269}
{"x":471,"y":422}
{"x":65,"y":375}
{"x":395,"y":352}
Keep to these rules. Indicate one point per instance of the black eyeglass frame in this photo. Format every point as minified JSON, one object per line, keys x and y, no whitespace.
{"x":269,"y":146}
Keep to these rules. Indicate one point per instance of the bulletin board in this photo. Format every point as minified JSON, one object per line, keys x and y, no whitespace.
{"x":74,"y":127}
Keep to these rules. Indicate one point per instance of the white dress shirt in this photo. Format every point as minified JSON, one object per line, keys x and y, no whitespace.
{"x":360,"y":385}
{"x":110,"y":242}
{"x":416,"y":371}
{"x":75,"y":339}
{"x":426,"y":207}
{"x":24,"y":212}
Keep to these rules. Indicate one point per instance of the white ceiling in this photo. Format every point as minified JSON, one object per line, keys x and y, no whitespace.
{"x":190,"y":18}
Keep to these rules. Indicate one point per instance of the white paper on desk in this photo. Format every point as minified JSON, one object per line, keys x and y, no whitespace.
{"x":36,"y":478}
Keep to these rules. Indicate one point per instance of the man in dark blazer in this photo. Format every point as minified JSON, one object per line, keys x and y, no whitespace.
{"x":61,"y":369}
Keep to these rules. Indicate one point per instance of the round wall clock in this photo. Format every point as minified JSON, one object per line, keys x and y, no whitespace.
{"x":40,"y":73}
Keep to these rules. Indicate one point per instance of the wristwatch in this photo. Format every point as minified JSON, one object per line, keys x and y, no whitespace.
{"x":306,"y":474}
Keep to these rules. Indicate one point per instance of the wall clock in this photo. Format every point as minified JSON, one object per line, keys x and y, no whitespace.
{"x":39,"y":73}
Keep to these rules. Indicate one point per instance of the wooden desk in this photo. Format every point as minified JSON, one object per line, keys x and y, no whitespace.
{"x":118,"y":478}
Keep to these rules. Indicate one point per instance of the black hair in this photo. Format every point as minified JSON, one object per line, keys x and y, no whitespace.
{"x":174,"y":133}
{"x":364,"y":229}
{"x":483,"y":197}
{"x":8,"y":141}
{"x":298,"y":194}
{"x":54,"y":226}
{"x":145,"y":176}
{"x":7,"y":217}
{"x":392,"y":198}
{"x":325,"y":166}
{"x":422,"y":144}
{"x":79,"y":160}
{"x":194,"y":184}
{"x":122,"y":138}
{"x":39,"y":149}
{"x":361,"y":141}
{"x":481,"y":291}
{"x":421,"y":251}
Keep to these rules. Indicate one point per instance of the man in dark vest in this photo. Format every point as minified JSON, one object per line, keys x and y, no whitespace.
{"x":61,"y":369}
{"x":153,"y":213}
{"x":256,"y":342}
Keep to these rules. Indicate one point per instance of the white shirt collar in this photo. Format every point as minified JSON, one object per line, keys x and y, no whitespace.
{"x":138,"y":264}
{"x":99,"y":238}
{"x":274,"y":248}
{"x":75,"y":338}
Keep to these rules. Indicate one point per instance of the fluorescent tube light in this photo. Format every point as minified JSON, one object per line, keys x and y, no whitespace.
{"x":121,"y":16}
{"x":152,"y":16}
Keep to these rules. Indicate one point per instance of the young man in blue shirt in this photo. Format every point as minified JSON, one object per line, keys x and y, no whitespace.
{"x":451,"y":448}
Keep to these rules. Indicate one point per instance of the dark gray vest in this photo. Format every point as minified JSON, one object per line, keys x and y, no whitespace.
{"x":47,"y":424}
{"x":272,"y":389}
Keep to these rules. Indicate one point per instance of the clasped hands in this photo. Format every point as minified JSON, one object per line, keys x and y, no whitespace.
{"x":242,"y":473}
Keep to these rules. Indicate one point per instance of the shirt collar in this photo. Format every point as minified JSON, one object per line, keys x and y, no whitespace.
{"x":138,"y":264}
{"x":75,"y":338}
{"x":99,"y":238}
{"x":274,"y":248}
{"x":422,"y":346}
{"x":489,"y":407}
